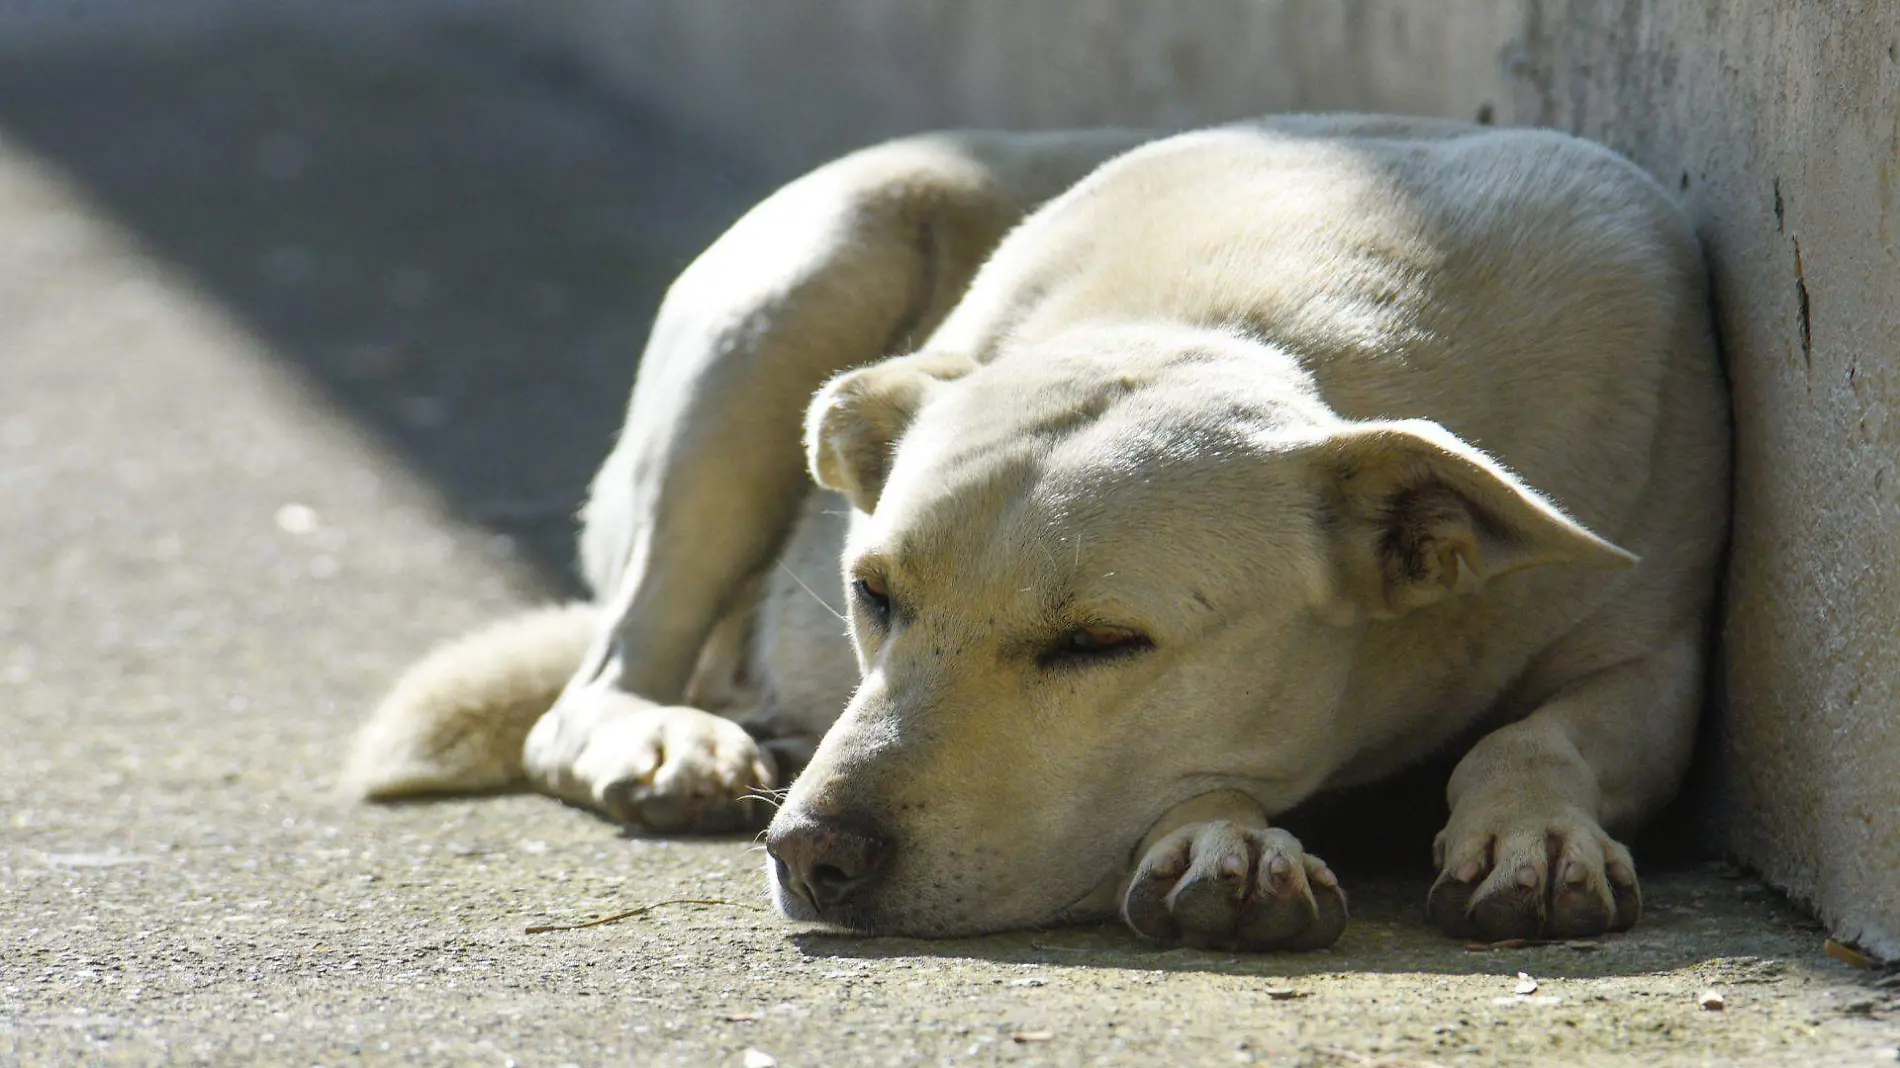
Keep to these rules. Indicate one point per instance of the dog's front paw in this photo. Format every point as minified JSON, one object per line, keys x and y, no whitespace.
{"x":670,"y":769}
{"x":1228,"y":886}
{"x":1521,"y":876}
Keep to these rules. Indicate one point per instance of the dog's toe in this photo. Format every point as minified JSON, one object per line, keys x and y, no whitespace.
{"x":1510,"y":904}
{"x":1449,"y":904}
{"x":1559,"y":878}
{"x":1323,"y":922}
{"x":1586,"y":900}
{"x":1227,"y":886}
{"x":638,"y":803}
{"x":1145,"y":904}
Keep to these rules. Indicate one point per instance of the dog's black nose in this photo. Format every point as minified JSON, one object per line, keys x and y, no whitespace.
{"x":826,"y":862}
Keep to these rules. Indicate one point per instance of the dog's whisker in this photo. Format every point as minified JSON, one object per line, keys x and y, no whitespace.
{"x":814,"y":593}
{"x":774,"y":798}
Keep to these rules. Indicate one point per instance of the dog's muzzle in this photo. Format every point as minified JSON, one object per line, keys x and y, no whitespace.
{"x":823,"y":867}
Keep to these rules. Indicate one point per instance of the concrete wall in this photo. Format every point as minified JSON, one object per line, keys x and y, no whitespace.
{"x":1778,"y":119}
{"x":31,"y":26}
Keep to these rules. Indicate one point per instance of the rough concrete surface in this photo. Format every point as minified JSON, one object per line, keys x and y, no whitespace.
{"x":308,"y":342}
{"x":1780,"y":123}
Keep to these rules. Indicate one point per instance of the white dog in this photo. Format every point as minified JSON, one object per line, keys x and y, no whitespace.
{"x":1174,"y":481}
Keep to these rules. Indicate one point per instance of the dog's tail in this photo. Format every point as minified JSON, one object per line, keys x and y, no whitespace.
{"x":455,"y":722}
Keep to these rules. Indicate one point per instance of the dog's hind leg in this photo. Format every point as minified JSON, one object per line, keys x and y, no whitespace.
{"x":856,"y":261}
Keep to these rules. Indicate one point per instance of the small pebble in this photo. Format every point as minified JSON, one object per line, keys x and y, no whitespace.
{"x":294,"y":518}
{"x":1847,"y":954}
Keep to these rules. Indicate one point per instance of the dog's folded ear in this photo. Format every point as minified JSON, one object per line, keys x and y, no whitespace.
{"x":853,"y":425}
{"x":1418,"y":515}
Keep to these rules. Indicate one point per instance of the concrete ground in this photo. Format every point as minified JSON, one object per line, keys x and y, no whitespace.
{"x":308,"y":341}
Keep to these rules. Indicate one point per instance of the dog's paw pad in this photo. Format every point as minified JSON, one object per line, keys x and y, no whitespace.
{"x":1222,"y":885}
{"x":1559,"y":878}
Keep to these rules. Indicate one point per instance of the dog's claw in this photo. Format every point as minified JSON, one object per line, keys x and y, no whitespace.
{"x":1222,"y":885}
{"x":1561,"y":878}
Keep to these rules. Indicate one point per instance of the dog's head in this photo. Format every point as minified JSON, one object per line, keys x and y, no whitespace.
{"x":1094,"y":579}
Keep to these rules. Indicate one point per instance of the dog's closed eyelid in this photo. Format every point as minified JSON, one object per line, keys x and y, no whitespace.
{"x":1093,"y":644}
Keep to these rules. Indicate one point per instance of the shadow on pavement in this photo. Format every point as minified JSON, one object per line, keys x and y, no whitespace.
{"x":1389,"y":934}
{"x":454,"y":240}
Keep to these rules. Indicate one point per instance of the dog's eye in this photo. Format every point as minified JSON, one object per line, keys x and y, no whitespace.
{"x":870,"y":593}
{"x":1091,"y":645}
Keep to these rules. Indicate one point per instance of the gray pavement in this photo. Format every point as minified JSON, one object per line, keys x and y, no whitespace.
{"x":308,"y":343}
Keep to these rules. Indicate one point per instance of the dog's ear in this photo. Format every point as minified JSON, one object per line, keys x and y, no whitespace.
{"x":1418,"y":515}
{"x":852,"y":426}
